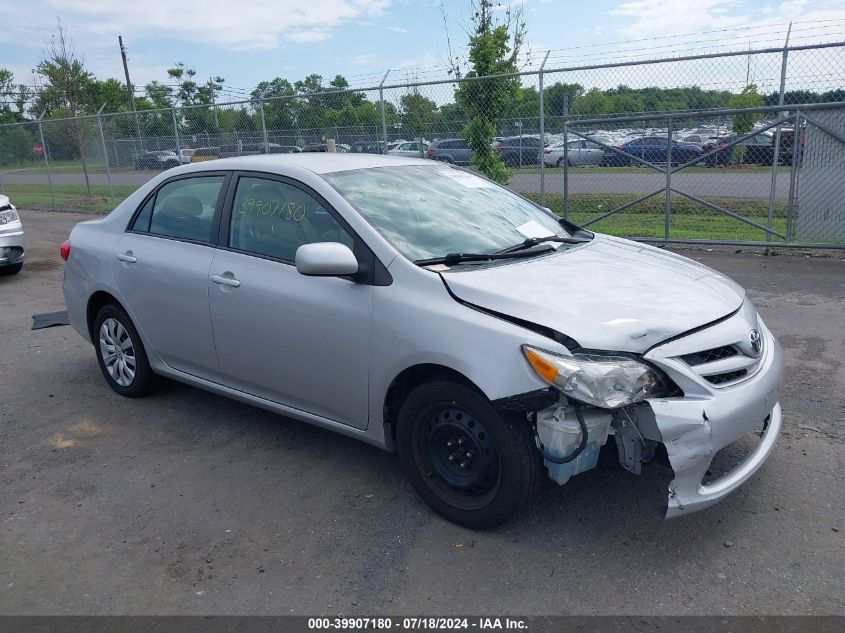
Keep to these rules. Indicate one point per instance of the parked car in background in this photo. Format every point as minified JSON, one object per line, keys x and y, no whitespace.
{"x":423,"y":309}
{"x":756,"y":150}
{"x":651,"y":149}
{"x":578,"y":152}
{"x":411,"y":149}
{"x":158,"y":159}
{"x":339,"y":148}
{"x":698,"y":139}
{"x":205,"y":153}
{"x":367,"y":147}
{"x":450,"y":150}
{"x":519,"y":151}
{"x":11,"y":238}
{"x":185,"y":155}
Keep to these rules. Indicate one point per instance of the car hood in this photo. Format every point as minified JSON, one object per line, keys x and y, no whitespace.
{"x":4,"y":200}
{"x":610,"y":294}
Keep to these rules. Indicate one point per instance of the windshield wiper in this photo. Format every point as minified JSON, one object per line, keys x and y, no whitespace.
{"x":533,"y":241}
{"x":451,"y":259}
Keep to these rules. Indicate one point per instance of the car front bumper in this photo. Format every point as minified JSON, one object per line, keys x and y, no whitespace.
{"x":708,"y":418}
{"x":12,"y":244}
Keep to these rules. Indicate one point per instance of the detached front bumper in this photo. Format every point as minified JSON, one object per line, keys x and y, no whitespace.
{"x":708,"y":418}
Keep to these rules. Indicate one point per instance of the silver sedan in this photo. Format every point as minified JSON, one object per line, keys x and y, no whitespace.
{"x":428,"y":311}
{"x":578,"y":153}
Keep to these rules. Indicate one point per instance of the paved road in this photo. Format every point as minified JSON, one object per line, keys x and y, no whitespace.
{"x":184,"y":502}
{"x":728,"y":185}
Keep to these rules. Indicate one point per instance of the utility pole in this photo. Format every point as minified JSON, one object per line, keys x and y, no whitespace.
{"x":129,"y":87}
{"x":213,"y":103}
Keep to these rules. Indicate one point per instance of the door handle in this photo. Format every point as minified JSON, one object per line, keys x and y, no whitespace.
{"x":225,"y":281}
{"x":127,"y":257}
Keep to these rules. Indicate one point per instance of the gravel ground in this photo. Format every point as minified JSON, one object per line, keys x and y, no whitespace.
{"x":187,"y":503}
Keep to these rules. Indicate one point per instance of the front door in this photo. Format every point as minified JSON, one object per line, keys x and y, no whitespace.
{"x":296,"y":340}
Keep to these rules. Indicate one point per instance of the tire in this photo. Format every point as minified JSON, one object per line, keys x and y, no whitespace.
{"x":111,"y":325}
{"x":14,"y":269}
{"x":559,"y":163}
{"x":470,"y":464}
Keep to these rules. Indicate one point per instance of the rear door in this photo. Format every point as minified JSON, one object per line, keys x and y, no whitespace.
{"x":161,"y":267}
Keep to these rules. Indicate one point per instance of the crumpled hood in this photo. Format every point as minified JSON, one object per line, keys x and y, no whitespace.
{"x":4,"y":200}
{"x":610,"y":294}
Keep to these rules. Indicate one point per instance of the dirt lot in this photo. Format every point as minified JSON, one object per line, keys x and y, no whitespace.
{"x":188,"y":503}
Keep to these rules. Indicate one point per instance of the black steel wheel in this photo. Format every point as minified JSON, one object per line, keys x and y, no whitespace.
{"x":468,"y":462}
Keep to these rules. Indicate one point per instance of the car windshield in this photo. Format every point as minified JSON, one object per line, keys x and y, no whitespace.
{"x":427,"y":212}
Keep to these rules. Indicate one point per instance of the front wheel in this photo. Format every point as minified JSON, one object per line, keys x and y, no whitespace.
{"x":472,"y":465}
{"x":121,"y":354}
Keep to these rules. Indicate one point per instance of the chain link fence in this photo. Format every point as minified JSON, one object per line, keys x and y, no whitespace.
{"x":679,"y":149}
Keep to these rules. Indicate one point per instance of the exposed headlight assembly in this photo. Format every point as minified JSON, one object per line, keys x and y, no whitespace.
{"x":604,"y":381}
{"x":8,"y":215}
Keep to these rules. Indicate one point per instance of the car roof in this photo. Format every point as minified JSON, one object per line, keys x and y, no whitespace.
{"x":317,"y":162}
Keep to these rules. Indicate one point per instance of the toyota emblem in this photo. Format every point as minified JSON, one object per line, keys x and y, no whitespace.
{"x":756,"y":342}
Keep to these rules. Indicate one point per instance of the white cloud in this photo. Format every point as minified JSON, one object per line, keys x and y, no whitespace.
{"x":252,"y":25}
{"x":398,"y":29}
{"x":668,"y":17}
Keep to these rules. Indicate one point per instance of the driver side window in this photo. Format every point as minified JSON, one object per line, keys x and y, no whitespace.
{"x":274,"y":219}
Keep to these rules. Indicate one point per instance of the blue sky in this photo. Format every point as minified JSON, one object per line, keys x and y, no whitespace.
{"x":252,"y":40}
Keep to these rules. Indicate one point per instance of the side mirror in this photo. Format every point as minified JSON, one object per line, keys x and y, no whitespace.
{"x":326,"y":259}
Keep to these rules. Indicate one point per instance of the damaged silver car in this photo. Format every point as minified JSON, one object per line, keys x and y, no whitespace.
{"x":428,"y":311}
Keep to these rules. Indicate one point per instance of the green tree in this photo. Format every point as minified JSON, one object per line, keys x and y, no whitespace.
{"x":744,"y":123}
{"x":494,"y":47}
{"x":418,"y":113}
{"x":12,"y":94}
{"x":66,"y":86}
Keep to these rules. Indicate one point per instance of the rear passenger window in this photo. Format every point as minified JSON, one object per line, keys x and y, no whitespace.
{"x":184,"y":208}
{"x":274,"y":218}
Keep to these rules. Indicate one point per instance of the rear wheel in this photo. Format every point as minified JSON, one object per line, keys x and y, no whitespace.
{"x":121,"y":354}
{"x":469,"y":463}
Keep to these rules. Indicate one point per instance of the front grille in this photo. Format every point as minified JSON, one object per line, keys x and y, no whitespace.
{"x":709,"y":355}
{"x":728,"y":376}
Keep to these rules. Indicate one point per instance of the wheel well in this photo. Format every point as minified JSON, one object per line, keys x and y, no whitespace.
{"x":96,"y":302}
{"x":408,"y":379}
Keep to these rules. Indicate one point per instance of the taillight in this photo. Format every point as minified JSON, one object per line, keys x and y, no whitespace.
{"x":620,"y":148}
{"x":64,"y":250}
{"x":498,"y":149}
{"x":430,"y":152}
{"x":547,"y":151}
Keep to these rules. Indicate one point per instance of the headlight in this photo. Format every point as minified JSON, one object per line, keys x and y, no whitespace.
{"x":608,"y":381}
{"x":9,"y":215}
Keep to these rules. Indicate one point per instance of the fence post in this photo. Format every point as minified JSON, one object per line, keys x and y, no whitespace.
{"x":793,"y":172}
{"x":542,"y":134}
{"x":263,"y":123}
{"x":47,"y":162}
{"x":176,"y":134}
{"x":566,"y":156}
{"x":105,"y":151}
{"x":667,"y":203}
{"x":381,"y":104}
{"x":776,"y":158}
